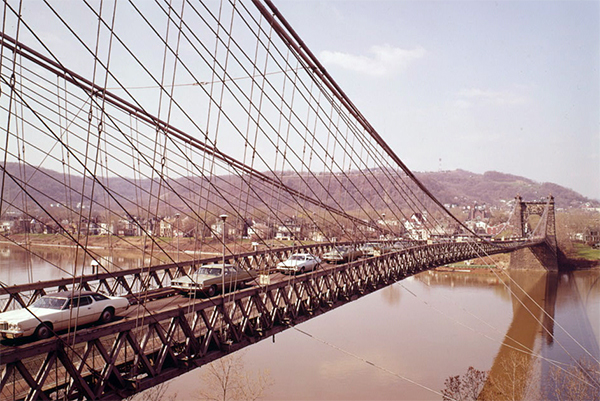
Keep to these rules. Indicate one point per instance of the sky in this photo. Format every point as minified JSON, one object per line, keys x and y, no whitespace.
{"x":509,"y":86}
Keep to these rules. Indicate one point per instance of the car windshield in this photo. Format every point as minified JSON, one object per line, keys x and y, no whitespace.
{"x":210,"y":271}
{"x":297,"y":257}
{"x":50,"y":303}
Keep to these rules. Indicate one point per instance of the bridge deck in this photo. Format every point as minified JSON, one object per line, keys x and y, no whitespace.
{"x":165,"y":337}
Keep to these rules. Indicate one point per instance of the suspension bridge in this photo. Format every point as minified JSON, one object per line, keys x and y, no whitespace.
{"x":190,"y":133}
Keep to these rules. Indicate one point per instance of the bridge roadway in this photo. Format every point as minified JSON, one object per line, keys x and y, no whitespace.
{"x":159,"y":301}
{"x":140,"y":280}
{"x":170,"y":335}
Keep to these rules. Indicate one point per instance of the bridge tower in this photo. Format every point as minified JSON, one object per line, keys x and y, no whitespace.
{"x":544,"y":255}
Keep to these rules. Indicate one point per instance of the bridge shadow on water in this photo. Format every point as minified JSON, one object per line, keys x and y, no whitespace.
{"x":550,"y":327}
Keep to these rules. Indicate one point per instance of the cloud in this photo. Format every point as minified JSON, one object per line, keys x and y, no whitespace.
{"x":500,"y":98}
{"x":386,"y":60}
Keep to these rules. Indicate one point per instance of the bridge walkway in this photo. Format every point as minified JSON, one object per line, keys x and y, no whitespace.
{"x":177,"y":334}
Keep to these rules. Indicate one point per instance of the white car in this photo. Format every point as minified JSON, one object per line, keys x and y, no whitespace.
{"x":59,"y":311}
{"x":299,"y":263}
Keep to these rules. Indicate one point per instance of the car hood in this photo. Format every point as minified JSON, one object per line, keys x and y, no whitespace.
{"x":291,"y":263}
{"x":200,"y":278}
{"x":21,"y":315}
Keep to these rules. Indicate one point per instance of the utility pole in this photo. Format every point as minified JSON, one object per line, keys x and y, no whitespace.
{"x":177,"y":232}
{"x":223,"y":217}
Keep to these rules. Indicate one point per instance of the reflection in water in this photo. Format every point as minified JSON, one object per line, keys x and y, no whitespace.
{"x":18,"y":266}
{"x":576,"y":337}
{"x":417,"y":329}
{"x":391,"y":295}
{"x":441,"y":324}
{"x":475,"y":279}
{"x":532,"y":293}
{"x":550,"y":326}
{"x":426,"y":328}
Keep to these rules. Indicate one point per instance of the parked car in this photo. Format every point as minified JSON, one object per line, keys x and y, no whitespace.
{"x":58,"y":311}
{"x":369,"y":248}
{"x":399,"y":245}
{"x":341,"y":254}
{"x":299,"y":263}
{"x":208,"y":279}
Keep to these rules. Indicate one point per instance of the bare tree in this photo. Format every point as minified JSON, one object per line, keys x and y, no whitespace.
{"x":577,"y":383}
{"x":226,"y":380}
{"x":156,"y":393}
{"x":518,"y":380}
{"x":465,"y":388}
{"x":515,"y":378}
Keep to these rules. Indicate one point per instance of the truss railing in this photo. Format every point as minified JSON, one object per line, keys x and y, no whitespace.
{"x":133,"y":282}
{"x":128,"y":356}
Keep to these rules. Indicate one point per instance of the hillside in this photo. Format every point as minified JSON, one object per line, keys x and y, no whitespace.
{"x":464,"y":187}
{"x":450,"y":187}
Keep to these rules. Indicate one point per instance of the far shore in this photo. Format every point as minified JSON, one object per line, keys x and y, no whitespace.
{"x":213,"y":247}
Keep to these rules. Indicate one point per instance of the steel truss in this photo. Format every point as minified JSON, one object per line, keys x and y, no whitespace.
{"x":151,"y":280}
{"x":128,"y":356}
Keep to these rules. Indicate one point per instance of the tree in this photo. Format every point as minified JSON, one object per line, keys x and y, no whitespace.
{"x":577,"y":383}
{"x":466,"y":388}
{"x":156,"y":393}
{"x":516,"y":378}
{"x":226,"y":380}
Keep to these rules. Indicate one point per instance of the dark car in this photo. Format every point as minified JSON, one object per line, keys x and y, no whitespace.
{"x":342,"y":254}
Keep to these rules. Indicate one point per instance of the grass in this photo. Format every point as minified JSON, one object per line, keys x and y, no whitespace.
{"x":587,"y":252}
{"x":462,"y":265}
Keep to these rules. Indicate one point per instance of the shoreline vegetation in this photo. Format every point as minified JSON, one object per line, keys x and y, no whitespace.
{"x":185,"y":245}
{"x":573,"y":256}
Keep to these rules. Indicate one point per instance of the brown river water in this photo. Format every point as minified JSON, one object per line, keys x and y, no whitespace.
{"x":404,"y":341}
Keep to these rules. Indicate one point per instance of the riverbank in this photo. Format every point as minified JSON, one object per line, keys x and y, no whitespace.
{"x":577,"y":263}
{"x":130,"y":243}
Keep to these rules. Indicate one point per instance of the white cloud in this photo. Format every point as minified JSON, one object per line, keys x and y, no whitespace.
{"x":501,"y":98}
{"x":386,"y":60}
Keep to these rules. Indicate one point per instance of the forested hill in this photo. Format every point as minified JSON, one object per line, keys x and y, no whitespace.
{"x":460,"y":186}
{"x":450,"y":187}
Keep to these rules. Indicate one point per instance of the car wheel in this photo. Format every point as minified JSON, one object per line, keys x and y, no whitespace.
{"x":212,"y":290}
{"x":107,"y":315}
{"x":302,"y":270}
{"x":43,"y":331}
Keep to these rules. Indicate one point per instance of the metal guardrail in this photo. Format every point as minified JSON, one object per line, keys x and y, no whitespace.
{"x":140,"y":280}
{"x":128,"y":356}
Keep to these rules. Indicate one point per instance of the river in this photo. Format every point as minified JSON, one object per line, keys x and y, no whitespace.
{"x":404,"y":341}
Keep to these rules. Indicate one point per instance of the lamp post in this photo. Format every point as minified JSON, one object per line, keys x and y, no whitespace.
{"x":177,"y":232}
{"x":223,"y":217}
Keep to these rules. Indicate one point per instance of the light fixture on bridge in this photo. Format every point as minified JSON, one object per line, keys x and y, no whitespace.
{"x":223,"y":217}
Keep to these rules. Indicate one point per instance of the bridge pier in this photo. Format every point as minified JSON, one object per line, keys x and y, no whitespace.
{"x":545,"y":255}
{"x":540,"y":257}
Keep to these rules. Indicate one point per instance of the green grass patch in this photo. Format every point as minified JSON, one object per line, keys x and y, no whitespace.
{"x":587,"y":252}
{"x":462,"y":265}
